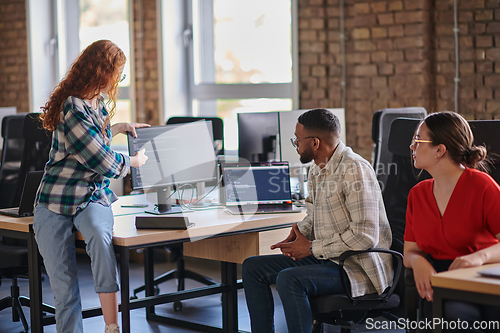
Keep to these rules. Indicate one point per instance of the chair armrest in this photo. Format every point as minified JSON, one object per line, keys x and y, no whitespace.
{"x":397,"y":270}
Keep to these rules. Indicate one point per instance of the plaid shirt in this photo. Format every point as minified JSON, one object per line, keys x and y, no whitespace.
{"x":80,"y":162}
{"x":345,"y":212}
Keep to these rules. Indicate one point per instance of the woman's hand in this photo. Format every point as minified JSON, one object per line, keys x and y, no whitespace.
{"x":422,"y":273}
{"x":414,"y":258}
{"x":127,"y":127}
{"x":470,"y":260}
{"x":138,"y":159}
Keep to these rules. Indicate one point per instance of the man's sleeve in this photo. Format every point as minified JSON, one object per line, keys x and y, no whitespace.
{"x":305,"y":226}
{"x":360,"y":203}
{"x":87,"y":146}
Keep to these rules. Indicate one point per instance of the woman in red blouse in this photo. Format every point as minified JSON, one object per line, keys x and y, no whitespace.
{"x":453,"y":219}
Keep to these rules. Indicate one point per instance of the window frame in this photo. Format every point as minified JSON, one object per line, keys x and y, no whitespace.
{"x":208,"y":93}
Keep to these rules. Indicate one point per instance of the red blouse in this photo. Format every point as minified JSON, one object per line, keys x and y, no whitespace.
{"x":470,"y":222}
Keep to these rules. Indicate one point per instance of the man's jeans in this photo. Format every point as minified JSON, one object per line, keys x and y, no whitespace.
{"x":55,"y":236}
{"x":295,"y":280}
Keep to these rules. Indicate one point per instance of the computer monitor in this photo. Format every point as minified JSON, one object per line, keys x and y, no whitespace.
{"x":177,"y":154}
{"x":258,"y":136}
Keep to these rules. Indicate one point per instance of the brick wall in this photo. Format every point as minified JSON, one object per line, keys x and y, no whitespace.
{"x":146,"y":62}
{"x":389,"y":53}
{"x":399,"y":53}
{"x":479,"y":55}
{"x":13,"y":55}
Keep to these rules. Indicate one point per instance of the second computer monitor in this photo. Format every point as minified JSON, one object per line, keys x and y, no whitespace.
{"x":177,"y":154}
{"x":258,"y":136}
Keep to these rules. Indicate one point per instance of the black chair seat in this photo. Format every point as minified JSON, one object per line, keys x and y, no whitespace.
{"x":13,"y":256}
{"x":331,"y":303}
{"x":345,"y":310}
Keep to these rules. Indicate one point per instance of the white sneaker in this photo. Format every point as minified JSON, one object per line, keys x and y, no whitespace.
{"x":113,"y":328}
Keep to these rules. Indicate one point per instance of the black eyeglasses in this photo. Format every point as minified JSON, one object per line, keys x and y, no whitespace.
{"x":295,"y":141}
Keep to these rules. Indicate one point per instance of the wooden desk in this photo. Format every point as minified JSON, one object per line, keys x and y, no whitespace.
{"x":464,"y":285}
{"x":238,"y":236}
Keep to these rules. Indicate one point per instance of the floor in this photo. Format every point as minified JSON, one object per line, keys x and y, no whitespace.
{"x":206,"y":310}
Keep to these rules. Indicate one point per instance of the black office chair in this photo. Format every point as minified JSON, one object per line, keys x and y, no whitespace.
{"x":12,"y":152}
{"x":37,"y":142}
{"x":381,"y":125}
{"x":13,"y":265}
{"x":180,"y":272}
{"x":346,"y":311}
{"x":486,"y":132}
{"x":341,"y":309}
{"x":400,"y":180}
{"x":14,"y":254}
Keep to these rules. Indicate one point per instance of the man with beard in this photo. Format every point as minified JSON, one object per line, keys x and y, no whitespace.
{"x":345,"y":212}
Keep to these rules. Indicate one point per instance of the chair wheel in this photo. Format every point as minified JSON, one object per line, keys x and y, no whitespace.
{"x":133,"y":297}
{"x":177,"y":306}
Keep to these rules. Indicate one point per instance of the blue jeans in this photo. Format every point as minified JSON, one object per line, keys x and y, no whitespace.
{"x":55,"y":236}
{"x":295,"y":281}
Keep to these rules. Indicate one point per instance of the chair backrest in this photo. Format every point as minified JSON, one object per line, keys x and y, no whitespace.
{"x":381,"y":125}
{"x":217,"y":129}
{"x":487,"y":133}
{"x":12,"y":152}
{"x":37,"y":143}
{"x":402,"y":175}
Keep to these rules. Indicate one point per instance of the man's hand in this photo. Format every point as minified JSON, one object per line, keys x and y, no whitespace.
{"x":291,"y":237}
{"x":295,"y":246}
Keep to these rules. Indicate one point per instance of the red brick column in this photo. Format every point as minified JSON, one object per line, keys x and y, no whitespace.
{"x":14,"y":89}
{"x":146,"y":62}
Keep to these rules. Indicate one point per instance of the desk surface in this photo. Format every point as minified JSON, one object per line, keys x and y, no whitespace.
{"x":208,"y":223}
{"x":15,"y":223}
{"x":467,"y":279}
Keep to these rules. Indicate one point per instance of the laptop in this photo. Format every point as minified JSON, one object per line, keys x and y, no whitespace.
{"x":25,"y":208}
{"x":491,"y":272}
{"x":257,"y":188}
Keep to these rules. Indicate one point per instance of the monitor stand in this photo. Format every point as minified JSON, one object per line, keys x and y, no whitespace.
{"x":200,"y":193}
{"x":165,"y":203}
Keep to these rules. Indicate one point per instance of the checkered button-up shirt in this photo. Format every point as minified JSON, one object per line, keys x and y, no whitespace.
{"x":345,"y":212}
{"x":80,"y":162}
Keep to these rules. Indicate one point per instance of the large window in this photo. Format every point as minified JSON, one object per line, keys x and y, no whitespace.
{"x":242,"y":41}
{"x":104,"y":19}
{"x":240,"y":58}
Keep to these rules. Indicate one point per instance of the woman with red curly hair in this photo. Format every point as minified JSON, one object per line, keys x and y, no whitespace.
{"x":74,"y":193}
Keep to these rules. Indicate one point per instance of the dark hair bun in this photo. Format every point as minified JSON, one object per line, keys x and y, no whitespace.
{"x":475,"y":155}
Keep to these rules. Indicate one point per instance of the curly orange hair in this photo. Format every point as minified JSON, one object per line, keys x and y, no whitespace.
{"x":96,"y":69}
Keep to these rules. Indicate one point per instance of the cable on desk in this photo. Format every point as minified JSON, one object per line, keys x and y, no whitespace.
{"x":190,"y":206}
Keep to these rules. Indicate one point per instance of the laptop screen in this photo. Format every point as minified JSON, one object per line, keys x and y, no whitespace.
{"x":257,"y":183}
